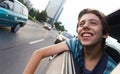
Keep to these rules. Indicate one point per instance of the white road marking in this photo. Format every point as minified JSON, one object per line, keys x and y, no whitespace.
{"x":36,"y":41}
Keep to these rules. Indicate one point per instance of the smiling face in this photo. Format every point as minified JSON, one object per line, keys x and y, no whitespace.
{"x":90,"y":30}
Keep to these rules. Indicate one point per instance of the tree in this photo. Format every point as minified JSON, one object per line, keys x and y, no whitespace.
{"x":42,"y":16}
{"x":32,"y":12}
{"x":59,"y":26}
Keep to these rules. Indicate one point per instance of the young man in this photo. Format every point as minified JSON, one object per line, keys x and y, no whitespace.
{"x":87,"y":50}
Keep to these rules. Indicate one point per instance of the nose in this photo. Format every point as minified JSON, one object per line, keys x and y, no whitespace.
{"x":86,"y":25}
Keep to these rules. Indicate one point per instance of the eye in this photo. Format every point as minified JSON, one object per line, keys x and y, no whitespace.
{"x":81,"y":23}
{"x":93,"y":23}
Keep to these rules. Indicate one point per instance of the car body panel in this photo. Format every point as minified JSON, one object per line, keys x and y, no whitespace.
{"x":61,"y":64}
{"x":12,"y":17}
{"x":116,"y":70}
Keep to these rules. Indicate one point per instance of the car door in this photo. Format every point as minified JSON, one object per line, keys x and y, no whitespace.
{"x":6,"y":16}
{"x":61,"y":64}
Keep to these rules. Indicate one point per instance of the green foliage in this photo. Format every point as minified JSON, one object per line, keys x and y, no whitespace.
{"x":32,"y":12}
{"x":42,"y":16}
{"x":59,"y":27}
{"x":30,"y":17}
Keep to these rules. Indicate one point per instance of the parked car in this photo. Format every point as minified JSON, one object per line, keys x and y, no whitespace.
{"x":63,"y":36}
{"x":63,"y":63}
{"x":47,"y":26}
{"x":13,"y":14}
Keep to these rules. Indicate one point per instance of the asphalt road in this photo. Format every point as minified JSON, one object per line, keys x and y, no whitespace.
{"x":16,"y":48}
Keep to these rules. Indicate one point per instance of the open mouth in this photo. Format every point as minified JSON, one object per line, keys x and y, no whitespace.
{"x":86,"y":34}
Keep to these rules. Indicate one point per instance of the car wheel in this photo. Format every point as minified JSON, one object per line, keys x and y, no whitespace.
{"x":57,"y":41}
{"x":15,"y":28}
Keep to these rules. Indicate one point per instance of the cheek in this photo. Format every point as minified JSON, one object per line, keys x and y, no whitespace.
{"x":78,"y":29}
{"x":99,"y":32}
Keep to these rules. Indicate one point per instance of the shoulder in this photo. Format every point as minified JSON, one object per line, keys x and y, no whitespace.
{"x":111,"y":64}
{"x":72,"y":41}
{"x":74,"y":45}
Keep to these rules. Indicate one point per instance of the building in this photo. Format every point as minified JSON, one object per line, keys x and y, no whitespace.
{"x":54,"y":9}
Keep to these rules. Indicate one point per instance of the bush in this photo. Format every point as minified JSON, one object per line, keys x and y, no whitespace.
{"x":42,"y":16}
{"x":59,"y":27}
{"x":29,"y":17}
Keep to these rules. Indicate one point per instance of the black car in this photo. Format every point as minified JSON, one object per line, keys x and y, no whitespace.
{"x":63,"y":36}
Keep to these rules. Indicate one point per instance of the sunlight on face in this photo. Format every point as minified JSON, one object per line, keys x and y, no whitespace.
{"x":90,"y":30}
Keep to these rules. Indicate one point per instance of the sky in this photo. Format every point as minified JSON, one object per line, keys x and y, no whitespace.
{"x":39,"y":4}
{"x":73,"y":7}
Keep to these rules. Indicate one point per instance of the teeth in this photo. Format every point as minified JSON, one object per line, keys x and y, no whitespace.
{"x":86,"y":34}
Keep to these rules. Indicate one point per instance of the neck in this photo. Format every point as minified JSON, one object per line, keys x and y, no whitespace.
{"x":92,"y":56}
{"x":93,"y":52}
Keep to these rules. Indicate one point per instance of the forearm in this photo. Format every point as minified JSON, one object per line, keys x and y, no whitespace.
{"x":42,"y":53}
{"x":33,"y":63}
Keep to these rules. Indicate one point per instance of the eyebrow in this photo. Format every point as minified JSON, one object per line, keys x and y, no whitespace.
{"x":94,"y":20}
{"x":91,"y":20}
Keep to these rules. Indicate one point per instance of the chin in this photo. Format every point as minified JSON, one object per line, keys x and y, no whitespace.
{"x":86,"y":44}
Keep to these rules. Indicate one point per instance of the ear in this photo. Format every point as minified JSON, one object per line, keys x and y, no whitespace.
{"x":105,"y":35}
